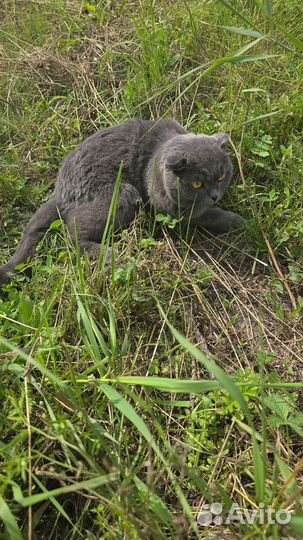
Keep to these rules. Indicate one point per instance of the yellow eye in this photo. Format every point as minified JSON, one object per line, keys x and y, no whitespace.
{"x":197,"y":185}
{"x":222,"y":177}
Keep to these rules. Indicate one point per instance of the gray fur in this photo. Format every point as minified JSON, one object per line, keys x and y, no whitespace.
{"x":161,"y":160}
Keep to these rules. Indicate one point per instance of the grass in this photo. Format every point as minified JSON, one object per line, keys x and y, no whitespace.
{"x":134,"y":396}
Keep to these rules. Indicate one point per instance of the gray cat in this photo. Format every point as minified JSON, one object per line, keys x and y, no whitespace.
{"x":174,"y":171}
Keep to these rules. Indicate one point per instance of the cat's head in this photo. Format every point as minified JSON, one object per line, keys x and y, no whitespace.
{"x":197,"y":168}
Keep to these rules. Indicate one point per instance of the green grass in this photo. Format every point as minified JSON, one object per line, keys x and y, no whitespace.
{"x":134,"y":396}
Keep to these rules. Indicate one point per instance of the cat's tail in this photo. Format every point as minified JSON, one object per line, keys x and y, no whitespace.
{"x":33,"y":233}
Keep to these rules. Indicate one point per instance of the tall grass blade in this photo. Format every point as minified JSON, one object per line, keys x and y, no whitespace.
{"x":292,"y":486}
{"x":259,"y":470}
{"x":165,"y":384}
{"x":112,"y":324}
{"x":86,"y":485}
{"x":89,"y":335}
{"x":99,"y":337}
{"x":92,"y":336}
{"x":262,"y":116}
{"x":109,"y":227}
{"x":9,"y":521}
{"x":238,"y":59}
{"x":268,"y":8}
{"x":243,"y":31}
{"x":128,"y":410}
{"x":247,"y":47}
{"x":294,"y":39}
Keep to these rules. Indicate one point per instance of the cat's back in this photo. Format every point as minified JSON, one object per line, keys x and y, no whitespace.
{"x":90,"y":171}
{"x":92,"y":168}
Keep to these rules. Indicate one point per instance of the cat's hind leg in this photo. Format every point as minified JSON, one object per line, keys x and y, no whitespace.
{"x":86,"y":223}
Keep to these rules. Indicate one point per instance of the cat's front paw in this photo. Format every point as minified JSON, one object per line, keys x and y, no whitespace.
{"x":236,"y":221}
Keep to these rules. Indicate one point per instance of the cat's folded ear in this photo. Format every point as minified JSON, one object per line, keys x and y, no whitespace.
{"x":177,"y":163}
{"x":223,"y":140}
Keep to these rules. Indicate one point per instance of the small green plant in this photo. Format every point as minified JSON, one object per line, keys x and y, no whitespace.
{"x":167,"y":220}
{"x":262,"y":149}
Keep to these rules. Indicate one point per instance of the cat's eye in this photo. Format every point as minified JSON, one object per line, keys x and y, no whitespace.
{"x":222,"y":177}
{"x":197,"y":185}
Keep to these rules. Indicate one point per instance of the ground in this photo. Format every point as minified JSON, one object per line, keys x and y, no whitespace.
{"x":136,"y":395}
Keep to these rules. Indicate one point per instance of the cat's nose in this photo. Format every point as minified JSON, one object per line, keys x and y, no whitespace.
{"x":214,"y":195}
